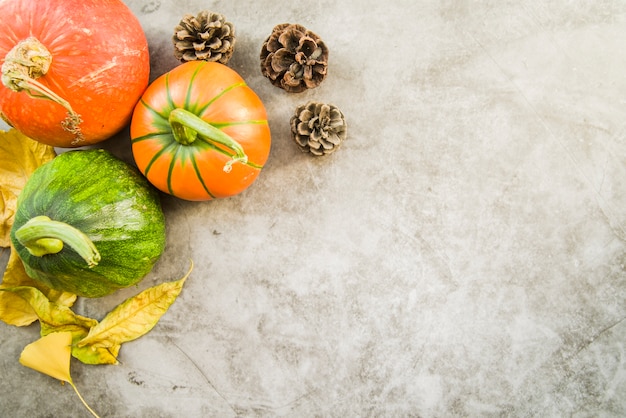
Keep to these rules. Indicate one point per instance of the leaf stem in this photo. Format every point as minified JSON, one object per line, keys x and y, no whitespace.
{"x":83,"y":400}
{"x":186,"y":127}
{"x":42,"y":236}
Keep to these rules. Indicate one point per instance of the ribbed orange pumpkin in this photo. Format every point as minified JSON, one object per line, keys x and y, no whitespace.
{"x":200,"y":132}
{"x":88,"y":57}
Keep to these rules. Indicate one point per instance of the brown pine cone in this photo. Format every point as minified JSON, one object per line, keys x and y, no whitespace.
{"x":318,"y":128}
{"x":294,"y":58}
{"x":206,"y":37}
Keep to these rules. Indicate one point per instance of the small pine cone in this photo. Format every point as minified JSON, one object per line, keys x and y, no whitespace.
{"x":318,"y":128}
{"x":294,"y":58}
{"x":206,"y":37}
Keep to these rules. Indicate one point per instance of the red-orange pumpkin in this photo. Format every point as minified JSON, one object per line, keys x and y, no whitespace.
{"x":90,"y":57}
{"x":200,"y":132}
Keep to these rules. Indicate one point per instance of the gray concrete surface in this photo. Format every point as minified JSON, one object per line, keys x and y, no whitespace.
{"x":462,"y":255}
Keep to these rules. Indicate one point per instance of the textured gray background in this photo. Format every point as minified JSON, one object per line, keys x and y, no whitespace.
{"x":462,"y":254}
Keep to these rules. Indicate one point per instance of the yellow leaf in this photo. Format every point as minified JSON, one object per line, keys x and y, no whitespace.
{"x":14,"y":310}
{"x":55,"y":318}
{"x":58,"y":296}
{"x":51,"y":315}
{"x":92,"y":355}
{"x":19,"y":157}
{"x":96,"y":355}
{"x":50,"y":355}
{"x":15,"y":275}
{"x":135,"y":316}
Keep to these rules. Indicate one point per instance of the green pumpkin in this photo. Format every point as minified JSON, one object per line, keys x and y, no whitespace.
{"x":88,"y":223}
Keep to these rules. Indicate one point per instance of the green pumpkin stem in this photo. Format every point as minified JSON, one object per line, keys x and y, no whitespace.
{"x":30,"y":59}
{"x":42,"y":236}
{"x":186,"y":127}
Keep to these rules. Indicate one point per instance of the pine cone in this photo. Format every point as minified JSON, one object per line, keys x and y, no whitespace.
{"x":206,"y":37}
{"x":294,"y":58}
{"x":318,"y":128}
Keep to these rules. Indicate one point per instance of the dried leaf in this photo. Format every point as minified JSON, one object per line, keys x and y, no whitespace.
{"x":15,"y":275}
{"x":52,"y":316}
{"x":93,"y":355}
{"x":56,"y":318}
{"x":135,"y":316}
{"x":50,"y":355}
{"x":19,"y":157}
{"x":58,"y":296}
{"x":96,"y":355}
{"x":14,"y":310}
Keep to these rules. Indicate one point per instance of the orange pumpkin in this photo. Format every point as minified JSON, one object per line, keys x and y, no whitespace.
{"x":87,"y":65}
{"x":200,"y":132}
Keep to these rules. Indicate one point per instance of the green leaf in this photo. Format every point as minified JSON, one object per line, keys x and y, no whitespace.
{"x":135,"y":316}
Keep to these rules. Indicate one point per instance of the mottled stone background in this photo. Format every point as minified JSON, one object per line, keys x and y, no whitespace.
{"x":462,"y":255}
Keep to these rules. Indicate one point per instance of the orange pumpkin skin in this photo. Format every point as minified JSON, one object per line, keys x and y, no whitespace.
{"x":100,"y":65}
{"x":198,"y":171}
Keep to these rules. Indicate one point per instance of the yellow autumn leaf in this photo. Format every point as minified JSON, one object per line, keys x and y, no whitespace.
{"x":92,"y":355}
{"x":52,"y":316}
{"x":56,"y":318}
{"x":59,"y":297}
{"x":19,"y":157}
{"x":14,"y":310}
{"x":96,"y":355}
{"x":135,"y":316}
{"x":50,"y":355}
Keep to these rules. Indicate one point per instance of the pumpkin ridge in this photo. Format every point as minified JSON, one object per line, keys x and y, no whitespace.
{"x":170,"y":170}
{"x":188,"y":105}
{"x":196,"y":169}
{"x":158,"y":155}
{"x":221,"y":125}
{"x":170,"y":101}
{"x":203,"y":109}
{"x":153,"y":111}
{"x":151,"y":135}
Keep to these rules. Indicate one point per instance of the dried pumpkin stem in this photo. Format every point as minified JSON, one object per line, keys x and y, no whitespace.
{"x":27,"y":61}
{"x":42,"y":236}
{"x":186,"y":128}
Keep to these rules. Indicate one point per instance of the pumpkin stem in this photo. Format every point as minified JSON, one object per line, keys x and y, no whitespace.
{"x":186,"y":128}
{"x":27,"y":61}
{"x":42,"y":236}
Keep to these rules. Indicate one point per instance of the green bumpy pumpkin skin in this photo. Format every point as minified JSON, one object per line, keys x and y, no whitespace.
{"x":107,"y":200}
